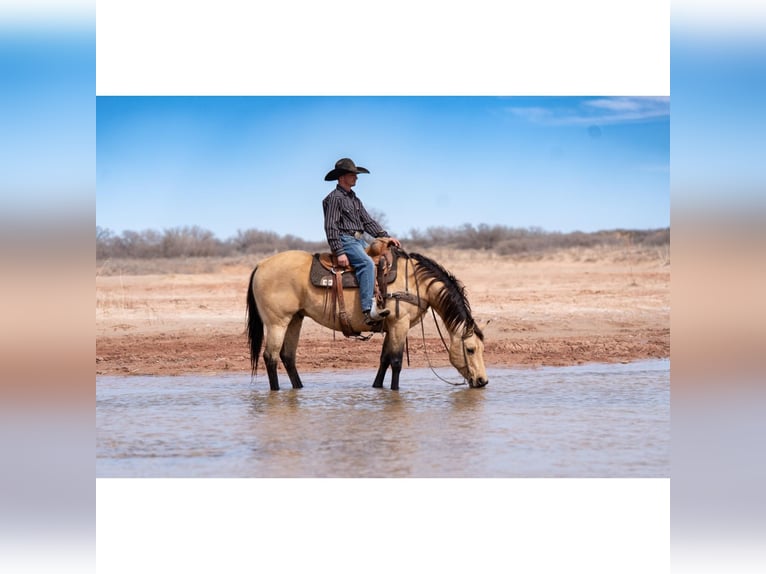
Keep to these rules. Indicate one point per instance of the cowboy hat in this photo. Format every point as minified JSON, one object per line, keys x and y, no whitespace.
{"x":344,"y":165}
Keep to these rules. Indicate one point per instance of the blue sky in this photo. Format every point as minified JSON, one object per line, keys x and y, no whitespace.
{"x":235,"y":163}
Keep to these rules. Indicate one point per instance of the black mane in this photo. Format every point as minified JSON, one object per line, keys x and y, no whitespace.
{"x":451,"y":303}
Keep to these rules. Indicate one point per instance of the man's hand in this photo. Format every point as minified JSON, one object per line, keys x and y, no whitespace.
{"x":395,"y":241}
{"x":343,"y":260}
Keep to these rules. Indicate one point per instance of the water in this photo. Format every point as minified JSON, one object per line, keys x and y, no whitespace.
{"x":584,"y":421}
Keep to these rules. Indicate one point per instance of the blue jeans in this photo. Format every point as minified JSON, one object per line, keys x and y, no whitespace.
{"x":364,"y":269}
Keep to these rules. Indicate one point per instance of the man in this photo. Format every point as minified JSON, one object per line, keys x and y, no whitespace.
{"x":345,"y":220}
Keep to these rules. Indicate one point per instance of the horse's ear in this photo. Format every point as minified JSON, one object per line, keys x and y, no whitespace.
{"x":477,"y":329}
{"x":483,"y":325}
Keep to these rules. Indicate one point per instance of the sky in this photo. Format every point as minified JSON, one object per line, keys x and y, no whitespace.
{"x":236,"y":163}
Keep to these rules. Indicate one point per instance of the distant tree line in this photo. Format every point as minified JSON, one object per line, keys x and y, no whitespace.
{"x":509,"y":240}
{"x":193,"y":242}
{"x":197,"y":242}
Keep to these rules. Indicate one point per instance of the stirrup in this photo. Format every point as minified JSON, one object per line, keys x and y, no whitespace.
{"x":374,"y":316}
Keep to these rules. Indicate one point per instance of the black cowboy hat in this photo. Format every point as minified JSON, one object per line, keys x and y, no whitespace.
{"x":344,"y":165}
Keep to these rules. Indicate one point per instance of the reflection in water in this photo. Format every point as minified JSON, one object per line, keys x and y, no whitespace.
{"x":597,"y":420}
{"x":330,"y":432}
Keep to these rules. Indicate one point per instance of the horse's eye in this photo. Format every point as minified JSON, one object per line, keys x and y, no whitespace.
{"x":470,"y":351}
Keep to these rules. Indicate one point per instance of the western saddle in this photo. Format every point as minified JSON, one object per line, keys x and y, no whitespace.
{"x":326,"y":273}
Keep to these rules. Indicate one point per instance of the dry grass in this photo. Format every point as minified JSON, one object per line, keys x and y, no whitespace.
{"x":175,"y":265}
{"x":234,"y":263}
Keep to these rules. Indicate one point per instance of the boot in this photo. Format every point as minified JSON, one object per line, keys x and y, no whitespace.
{"x":375,"y":315}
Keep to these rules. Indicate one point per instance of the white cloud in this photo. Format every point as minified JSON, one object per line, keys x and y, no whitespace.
{"x":598,"y":111}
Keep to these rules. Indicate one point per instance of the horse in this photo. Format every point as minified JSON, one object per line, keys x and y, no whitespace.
{"x":280,"y":295}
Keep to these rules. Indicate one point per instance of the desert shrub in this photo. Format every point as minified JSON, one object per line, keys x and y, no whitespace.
{"x":176,"y":242}
{"x":510,"y":241}
{"x":193,"y":242}
{"x":657,"y":237}
{"x":256,"y":241}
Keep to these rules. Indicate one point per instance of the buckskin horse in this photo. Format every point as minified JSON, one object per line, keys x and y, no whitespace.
{"x":280,"y":295}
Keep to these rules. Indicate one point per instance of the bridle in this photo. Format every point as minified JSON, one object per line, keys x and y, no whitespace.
{"x":467,"y":333}
{"x":414,"y":299}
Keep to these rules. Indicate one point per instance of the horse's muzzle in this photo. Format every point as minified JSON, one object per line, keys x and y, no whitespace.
{"x":478,"y":383}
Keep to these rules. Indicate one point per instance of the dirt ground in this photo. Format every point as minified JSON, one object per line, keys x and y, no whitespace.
{"x":569,"y":307}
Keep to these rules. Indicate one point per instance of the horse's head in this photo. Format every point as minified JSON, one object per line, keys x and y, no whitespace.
{"x":466,"y":353}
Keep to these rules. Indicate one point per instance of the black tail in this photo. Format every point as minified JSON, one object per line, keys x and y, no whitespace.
{"x":254,"y":326}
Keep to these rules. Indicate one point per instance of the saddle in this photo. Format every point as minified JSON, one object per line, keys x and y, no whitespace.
{"x":326,"y":273}
{"x":325,"y":265}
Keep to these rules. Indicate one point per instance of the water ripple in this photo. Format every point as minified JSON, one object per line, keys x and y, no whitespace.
{"x":591,"y":420}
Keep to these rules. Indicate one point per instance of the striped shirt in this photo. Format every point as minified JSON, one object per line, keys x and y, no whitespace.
{"x":344,"y":214}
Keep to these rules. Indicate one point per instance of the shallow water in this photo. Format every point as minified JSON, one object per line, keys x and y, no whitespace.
{"x":584,"y":421}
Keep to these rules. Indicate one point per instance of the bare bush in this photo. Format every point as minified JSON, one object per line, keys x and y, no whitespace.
{"x":512,"y":241}
{"x":256,"y":241}
{"x":193,"y":242}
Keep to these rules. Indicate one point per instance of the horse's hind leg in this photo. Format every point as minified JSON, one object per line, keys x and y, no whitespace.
{"x":289,"y":348}
{"x":271,"y":370}
{"x":274,"y":338}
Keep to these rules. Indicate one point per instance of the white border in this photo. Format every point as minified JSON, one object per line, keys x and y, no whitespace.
{"x":383,"y":525}
{"x":401,"y":47}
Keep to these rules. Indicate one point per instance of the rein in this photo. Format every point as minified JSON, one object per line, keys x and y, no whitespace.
{"x":428,"y":359}
{"x":423,"y":334}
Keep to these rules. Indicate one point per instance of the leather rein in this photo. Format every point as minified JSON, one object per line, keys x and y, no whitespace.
{"x":415,"y":299}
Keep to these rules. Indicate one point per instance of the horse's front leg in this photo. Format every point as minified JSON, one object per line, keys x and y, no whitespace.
{"x":385,"y":361}
{"x":396,"y":368}
{"x":393,"y":352}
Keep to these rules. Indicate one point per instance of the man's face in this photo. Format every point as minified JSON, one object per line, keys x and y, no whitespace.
{"x":348,"y":180}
